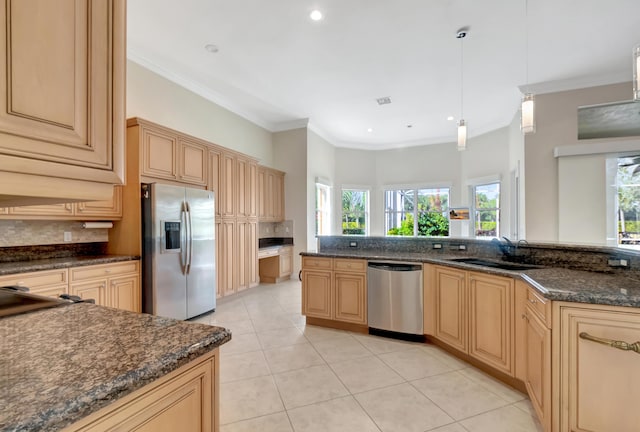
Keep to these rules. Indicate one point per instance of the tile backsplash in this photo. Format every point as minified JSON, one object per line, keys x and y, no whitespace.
{"x":275,"y":229}
{"x":37,"y":232}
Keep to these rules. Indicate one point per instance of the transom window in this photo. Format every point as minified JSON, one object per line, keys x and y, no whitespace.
{"x":355,"y":211}
{"x":429,"y":207}
{"x":487,"y":210}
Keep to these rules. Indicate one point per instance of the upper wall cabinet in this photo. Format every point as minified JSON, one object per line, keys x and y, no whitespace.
{"x":62,"y":117}
{"x":270,"y":195}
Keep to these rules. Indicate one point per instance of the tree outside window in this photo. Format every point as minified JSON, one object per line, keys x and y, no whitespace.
{"x":355,"y":212}
{"x":628,"y":182}
{"x":487,"y":210}
{"x":429,"y":207}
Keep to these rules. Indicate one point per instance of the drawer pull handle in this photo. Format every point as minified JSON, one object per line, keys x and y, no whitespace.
{"x":533,"y":301}
{"x":624,"y":346}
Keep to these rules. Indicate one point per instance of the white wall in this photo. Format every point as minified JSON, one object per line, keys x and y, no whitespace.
{"x":355,"y":168}
{"x":290,"y":156}
{"x":516,"y":170}
{"x":154,"y":98}
{"x":321,"y":159}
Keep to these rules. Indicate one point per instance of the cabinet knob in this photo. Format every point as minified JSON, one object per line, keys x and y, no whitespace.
{"x":525,"y":317}
{"x":533,"y":301}
{"x":107,"y":271}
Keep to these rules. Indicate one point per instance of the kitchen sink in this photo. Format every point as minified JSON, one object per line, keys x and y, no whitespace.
{"x":494,"y":264}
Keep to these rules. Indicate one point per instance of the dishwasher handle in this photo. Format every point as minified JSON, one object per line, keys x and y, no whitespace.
{"x":391,"y":266}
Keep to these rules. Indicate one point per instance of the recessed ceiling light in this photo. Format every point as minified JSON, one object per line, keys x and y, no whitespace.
{"x":409,"y":126}
{"x":370,"y":130}
{"x":315,"y":15}
{"x":450,"y":118}
{"x":211,"y":48}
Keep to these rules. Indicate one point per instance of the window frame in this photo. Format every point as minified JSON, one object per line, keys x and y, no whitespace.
{"x":323,"y":213}
{"x":366,"y":213}
{"x":477,"y":210}
{"x":416,"y":188}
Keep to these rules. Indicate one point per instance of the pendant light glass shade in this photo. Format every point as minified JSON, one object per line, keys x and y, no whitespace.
{"x":636,"y":73}
{"x":527,"y":116}
{"x":462,"y":135}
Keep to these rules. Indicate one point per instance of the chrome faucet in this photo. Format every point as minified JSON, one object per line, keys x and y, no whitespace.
{"x":508,"y":249}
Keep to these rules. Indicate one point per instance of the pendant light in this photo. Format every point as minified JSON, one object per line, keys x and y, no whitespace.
{"x":636,"y":74}
{"x":527,"y":111}
{"x":462,"y":124}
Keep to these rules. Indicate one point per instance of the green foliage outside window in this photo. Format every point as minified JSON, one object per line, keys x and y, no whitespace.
{"x":429,"y":224}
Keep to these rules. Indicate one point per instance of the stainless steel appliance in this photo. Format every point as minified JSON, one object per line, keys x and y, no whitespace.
{"x":178,"y":253}
{"x":395,"y":294}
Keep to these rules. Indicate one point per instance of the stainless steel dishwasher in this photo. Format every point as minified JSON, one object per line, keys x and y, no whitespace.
{"x":394,"y":291}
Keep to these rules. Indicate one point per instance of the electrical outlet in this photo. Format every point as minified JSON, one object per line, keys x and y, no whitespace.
{"x":437,"y":245}
{"x":462,"y":247}
{"x":353,"y":244}
{"x":286,"y":229}
{"x":67,"y":236}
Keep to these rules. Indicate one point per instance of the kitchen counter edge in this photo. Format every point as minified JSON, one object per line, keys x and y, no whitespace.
{"x":9,"y":268}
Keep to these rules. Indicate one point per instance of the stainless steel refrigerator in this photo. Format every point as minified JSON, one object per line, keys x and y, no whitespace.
{"x":178,"y":253}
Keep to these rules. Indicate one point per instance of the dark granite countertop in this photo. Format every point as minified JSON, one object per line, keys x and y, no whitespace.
{"x":7,"y":268}
{"x":60,"y":365}
{"x":559,"y":284}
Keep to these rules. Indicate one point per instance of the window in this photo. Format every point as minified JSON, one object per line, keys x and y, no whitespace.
{"x":355,"y":211}
{"x":428,"y":206}
{"x":628,"y":208}
{"x":323,"y":209}
{"x":487,"y":210}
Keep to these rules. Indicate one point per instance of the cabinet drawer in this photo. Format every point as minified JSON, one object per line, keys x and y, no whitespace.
{"x":354,"y":265}
{"x":103,"y":270}
{"x":313,"y":262}
{"x":539,"y":306}
{"x":36,"y":279}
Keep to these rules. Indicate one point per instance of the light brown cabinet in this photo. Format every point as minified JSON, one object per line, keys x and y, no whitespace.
{"x":473,"y":313}
{"x":276,"y":265}
{"x":227,"y":199}
{"x":227,"y":273}
{"x":50,"y":283}
{"x":215,"y":157}
{"x":597,"y":384}
{"x":62,"y":122}
{"x":115,"y":285}
{"x":110,"y":209}
{"x":335,"y":289}
{"x":246,"y":254}
{"x":186,"y":399}
{"x":270,"y":195}
{"x":538,"y":367}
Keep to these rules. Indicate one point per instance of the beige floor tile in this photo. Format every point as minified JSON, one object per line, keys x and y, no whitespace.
{"x":340,"y":349}
{"x":337,"y":415}
{"x":292,"y":357}
{"x":254,"y":397}
{"x":526,"y":406}
{"x":449,"y":359}
{"x":365,"y":374}
{"x":317,"y":334}
{"x":379,"y":345}
{"x":241,"y":344}
{"x":453,"y":427}
{"x":268,"y":322}
{"x":402,"y":408}
{"x":270,"y":423}
{"x":234,"y":367}
{"x":414,"y":363}
{"x":297,"y":319}
{"x":307,"y":386}
{"x":493,"y":385}
{"x":237,"y":327}
{"x":291,"y":307}
{"x":281,"y":337}
{"x":230,"y":314}
{"x":506,"y":419}
{"x":457,"y":395}
{"x":260,"y":310}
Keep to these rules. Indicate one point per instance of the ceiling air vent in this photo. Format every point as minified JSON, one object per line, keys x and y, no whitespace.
{"x":384,"y":100}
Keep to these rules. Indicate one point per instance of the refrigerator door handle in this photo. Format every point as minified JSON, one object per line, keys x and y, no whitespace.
{"x":189,"y":239}
{"x":183,"y":239}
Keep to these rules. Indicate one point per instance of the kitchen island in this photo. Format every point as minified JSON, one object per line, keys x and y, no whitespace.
{"x":87,"y":367}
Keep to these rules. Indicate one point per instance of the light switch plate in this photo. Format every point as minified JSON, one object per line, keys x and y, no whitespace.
{"x":67,"y":236}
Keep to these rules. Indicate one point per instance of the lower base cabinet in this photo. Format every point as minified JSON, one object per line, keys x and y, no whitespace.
{"x":116,"y":285}
{"x":185,"y":400}
{"x":597,"y":383}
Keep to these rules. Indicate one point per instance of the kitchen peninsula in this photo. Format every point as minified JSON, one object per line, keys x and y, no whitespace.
{"x":86,"y":367}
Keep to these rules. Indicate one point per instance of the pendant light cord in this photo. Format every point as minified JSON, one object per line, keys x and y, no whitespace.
{"x":462,"y":77}
{"x":526,"y":44}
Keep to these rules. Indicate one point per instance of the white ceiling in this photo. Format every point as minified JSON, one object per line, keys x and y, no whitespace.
{"x":279,"y":69}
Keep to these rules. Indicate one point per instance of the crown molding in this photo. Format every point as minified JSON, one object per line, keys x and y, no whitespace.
{"x":575,"y":83}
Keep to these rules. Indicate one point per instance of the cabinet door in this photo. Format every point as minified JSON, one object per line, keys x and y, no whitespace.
{"x":219,"y":261}
{"x":316,"y":294}
{"x":214,"y":178}
{"x":91,"y":290}
{"x":262,"y":194}
{"x":57,"y":210}
{"x":490,"y":314}
{"x":350,"y":301}
{"x":242,"y":168}
{"x":192,"y":162}
{"x":598,"y":383}
{"x":241,"y":255}
{"x":159,"y":154}
{"x":538,"y":367}
{"x":286,"y":261}
{"x":226,"y":201}
{"x":278,"y":197}
{"x":252,"y":190}
{"x":52,"y":291}
{"x":124,"y":293}
{"x":451,"y":307}
{"x":228,"y":277}
{"x":62,"y":75}
{"x":109,"y":209}
{"x":252,"y":254}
